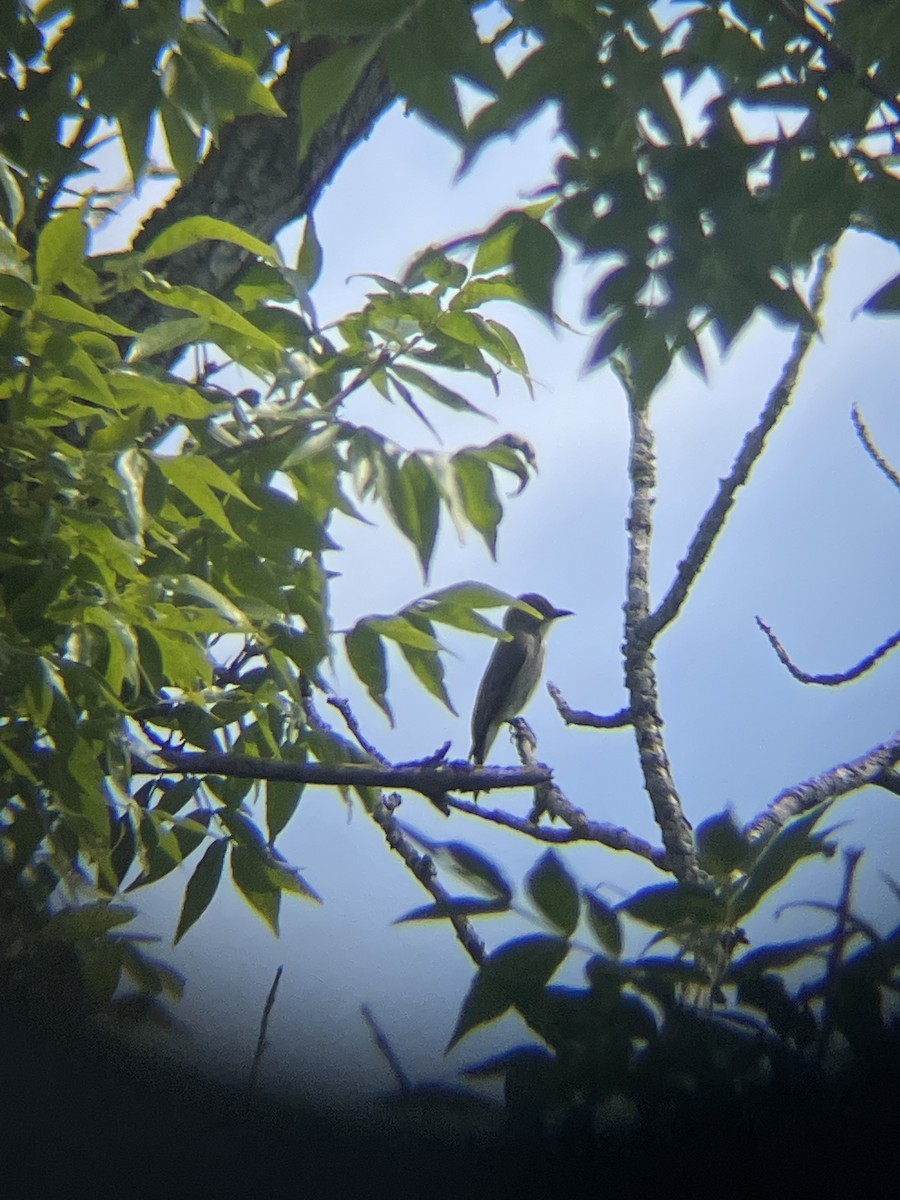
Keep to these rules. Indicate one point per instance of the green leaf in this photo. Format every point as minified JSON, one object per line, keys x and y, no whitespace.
{"x":201,"y":887}
{"x":232,"y":84}
{"x":182,"y":140}
{"x":61,"y":248}
{"x":204,"y":304}
{"x":422,"y":79}
{"x":254,"y":883}
{"x":554,"y":893}
{"x":437,"y":391}
{"x":478,"y":493}
{"x":427,"y":667}
{"x":282,"y":798}
{"x":309,"y":256}
{"x":604,"y":923}
{"x":404,"y":631}
{"x":195,"y":477}
{"x":168,"y":335}
{"x":721,"y":845}
{"x":367,"y":656}
{"x":15,"y":204}
{"x":472,"y":595}
{"x":328,"y":85}
{"x":536,"y":259}
{"x":886,"y":299}
{"x":191,"y":230}
{"x":512,"y":975}
{"x":673,"y":905}
{"x":15,"y":292}
{"x":473,"y":867}
{"x":88,"y":920}
{"x":415,"y":505}
{"x":462,"y":907}
{"x":60,"y":308}
{"x":778,"y":857}
{"x":495,"y":245}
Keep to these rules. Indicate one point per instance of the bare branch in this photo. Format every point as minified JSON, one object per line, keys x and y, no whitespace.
{"x":713,"y":520}
{"x":640,"y":674}
{"x":343,"y":707}
{"x":862,"y":431}
{"x":425,"y":871}
{"x":261,"y":1043}
{"x":581,"y":828}
{"x":432,"y":782}
{"x":890,"y":781}
{"x":838,"y":780}
{"x":580,"y":716}
{"x":549,"y":799}
{"x":839,"y":677}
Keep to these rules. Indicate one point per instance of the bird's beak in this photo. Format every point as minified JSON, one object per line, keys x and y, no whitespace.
{"x":561,"y":612}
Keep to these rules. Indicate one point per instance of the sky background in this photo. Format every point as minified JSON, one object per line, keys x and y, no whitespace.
{"x":811,"y":547}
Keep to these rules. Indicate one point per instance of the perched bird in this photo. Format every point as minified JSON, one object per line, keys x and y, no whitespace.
{"x":513,"y":672}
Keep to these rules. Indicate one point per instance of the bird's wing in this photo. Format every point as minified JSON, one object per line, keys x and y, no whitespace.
{"x":496,"y":688}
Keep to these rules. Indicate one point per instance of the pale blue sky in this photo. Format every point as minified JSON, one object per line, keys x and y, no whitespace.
{"x":810,"y":546}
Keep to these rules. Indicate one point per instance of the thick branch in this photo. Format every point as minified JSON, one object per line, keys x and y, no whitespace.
{"x":253,"y":179}
{"x":640,"y":674}
{"x":432,"y":782}
{"x":839,"y":780}
{"x":714,"y":518}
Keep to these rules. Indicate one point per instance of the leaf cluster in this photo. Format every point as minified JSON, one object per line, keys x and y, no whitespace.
{"x":711,"y":1019}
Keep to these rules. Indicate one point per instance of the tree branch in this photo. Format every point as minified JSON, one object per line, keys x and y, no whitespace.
{"x":252,"y":179}
{"x":261,"y":1043}
{"x":431,"y":781}
{"x":865,"y":664}
{"x":838,"y":780}
{"x":862,"y":431}
{"x":580,"y":716}
{"x":581,"y":828}
{"x":714,"y":518}
{"x":425,"y":871}
{"x":640,"y":674}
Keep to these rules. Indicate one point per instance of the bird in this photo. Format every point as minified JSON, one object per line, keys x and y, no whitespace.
{"x":513,"y":671}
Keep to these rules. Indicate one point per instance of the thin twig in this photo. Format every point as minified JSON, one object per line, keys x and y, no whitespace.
{"x":550,"y":799}
{"x":838,"y":780}
{"x":580,"y":827}
{"x":424,"y":870}
{"x":874,"y":453}
{"x":714,"y":518}
{"x":261,"y":1043}
{"x":343,"y":707}
{"x":839,"y":677}
{"x":387,"y":1050}
{"x":580,"y":716}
